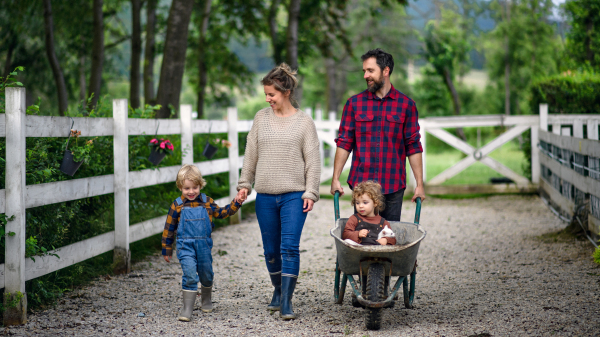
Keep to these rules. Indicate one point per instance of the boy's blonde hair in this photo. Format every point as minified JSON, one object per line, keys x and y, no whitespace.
{"x":373,"y":190}
{"x":192,"y":173}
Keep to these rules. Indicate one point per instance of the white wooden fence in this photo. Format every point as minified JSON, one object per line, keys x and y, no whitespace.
{"x":570,"y":165}
{"x":15,"y":125}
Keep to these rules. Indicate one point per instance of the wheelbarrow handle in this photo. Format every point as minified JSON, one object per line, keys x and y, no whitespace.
{"x":418,"y":210}
{"x":336,"y":204}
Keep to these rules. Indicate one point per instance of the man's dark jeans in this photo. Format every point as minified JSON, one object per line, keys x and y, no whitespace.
{"x":393,"y":206}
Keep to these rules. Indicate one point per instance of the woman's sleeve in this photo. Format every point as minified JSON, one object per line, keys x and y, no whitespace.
{"x":250,"y":157}
{"x":312,"y":163}
{"x":350,"y":230}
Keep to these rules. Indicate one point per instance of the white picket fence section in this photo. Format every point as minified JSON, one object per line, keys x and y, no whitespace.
{"x":570,"y":165}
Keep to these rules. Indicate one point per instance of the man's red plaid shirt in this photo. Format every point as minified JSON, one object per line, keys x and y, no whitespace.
{"x":380,"y":133}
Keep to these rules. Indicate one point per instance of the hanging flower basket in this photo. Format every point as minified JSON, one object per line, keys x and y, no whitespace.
{"x":69,"y":166}
{"x":78,"y":153}
{"x":159,"y":149}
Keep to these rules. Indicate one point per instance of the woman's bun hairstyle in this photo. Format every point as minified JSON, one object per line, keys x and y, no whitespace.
{"x":283,"y":78}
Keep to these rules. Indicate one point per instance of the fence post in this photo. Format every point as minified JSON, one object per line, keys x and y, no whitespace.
{"x":535,"y":155}
{"x":592,"y":129}
{"x":187,"y":137}
{"x":14,"y":265}
{"x":318,"y":118}
{"x":234,"y":159}
{"x":121,"y":253}
{"x":544,"y":117}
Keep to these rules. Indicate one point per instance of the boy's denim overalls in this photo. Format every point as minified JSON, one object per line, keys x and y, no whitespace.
{"x":194,"y":244}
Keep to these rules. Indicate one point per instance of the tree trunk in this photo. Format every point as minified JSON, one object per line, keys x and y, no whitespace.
{"x":10,"y":49}
{"x":507,"y":63}
{"x":82,"y":87}
{"x":202,"y":76}
{"x":292,"y":44}
{"x":272,"y":18}
{"x":292,"y":34}
{"x":336,"y":82}
{"x":455,"y":101}
{"x":136,"y":53}
{"x":171,"y":72}
{"x":59,"y":79}
{"x":97,"y":53}
{"x":149,"y":52}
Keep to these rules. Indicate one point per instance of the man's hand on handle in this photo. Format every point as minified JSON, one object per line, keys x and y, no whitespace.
{"x":419,"y":192}
{"x":336,"y":186}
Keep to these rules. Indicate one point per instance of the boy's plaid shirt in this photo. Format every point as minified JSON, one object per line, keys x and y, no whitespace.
{"x":380,"y":132}
{"x":172,"y":222}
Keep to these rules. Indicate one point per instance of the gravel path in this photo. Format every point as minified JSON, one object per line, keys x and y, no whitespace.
{"x":483,"y":270}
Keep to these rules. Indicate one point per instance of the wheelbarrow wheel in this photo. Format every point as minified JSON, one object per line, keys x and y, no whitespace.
{"x":375,"y":293}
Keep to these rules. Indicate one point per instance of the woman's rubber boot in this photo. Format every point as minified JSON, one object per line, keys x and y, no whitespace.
{"x":189,"y":298}
{"x":205,"y":293}
{"x":288,"y":284}
{"x":276,"y":300}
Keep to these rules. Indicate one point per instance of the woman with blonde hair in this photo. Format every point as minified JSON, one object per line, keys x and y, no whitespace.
{"x":282,"y":161}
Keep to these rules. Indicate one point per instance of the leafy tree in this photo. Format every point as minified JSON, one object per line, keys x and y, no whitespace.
{"x":211,"y":63}
{"x":583,"y":39}
{"x":520,"y":50}
{"x":447,"y":50}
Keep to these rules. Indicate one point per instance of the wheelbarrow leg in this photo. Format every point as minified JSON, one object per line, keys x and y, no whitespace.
{"x":409,"y":295}
{"x":339,"y":292}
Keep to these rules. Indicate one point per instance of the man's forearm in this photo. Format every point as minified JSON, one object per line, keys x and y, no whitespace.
{"x":341,"y":156}
{"x":416,"y":163}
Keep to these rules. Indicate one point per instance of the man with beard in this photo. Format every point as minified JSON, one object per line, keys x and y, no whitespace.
{"x":380,"y":126}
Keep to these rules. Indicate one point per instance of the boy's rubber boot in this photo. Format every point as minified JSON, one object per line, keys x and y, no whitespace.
{"x":206,"y":293}
{"x":189,"y":298}
{"x":276,"y":300}
{"x":288,"y":284}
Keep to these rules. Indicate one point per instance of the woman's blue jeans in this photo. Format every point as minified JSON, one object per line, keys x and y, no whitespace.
{"x":281,"y":219}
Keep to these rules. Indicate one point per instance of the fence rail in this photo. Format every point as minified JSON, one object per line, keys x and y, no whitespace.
{"x":570,"y":165}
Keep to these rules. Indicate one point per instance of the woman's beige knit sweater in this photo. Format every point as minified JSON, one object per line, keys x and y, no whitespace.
{"x":282,"y":155}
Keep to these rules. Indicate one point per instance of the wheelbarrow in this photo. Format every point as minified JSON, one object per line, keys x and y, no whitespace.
{"x":375,"y":266}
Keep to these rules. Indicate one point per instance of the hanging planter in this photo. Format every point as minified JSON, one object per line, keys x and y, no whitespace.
{"x":209,"y":150}
{"x":156,"y":157}
{"x":212,"y":146}
{"x":77,"y":154}
{"x":159,"y":149}
{"x":69,"y":166}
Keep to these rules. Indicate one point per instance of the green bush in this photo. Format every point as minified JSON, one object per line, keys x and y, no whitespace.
{"x":568,"y":93}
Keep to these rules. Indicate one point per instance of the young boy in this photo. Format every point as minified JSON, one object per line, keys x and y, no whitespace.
{"x":366,"y":224}
{"x":190,"y":216}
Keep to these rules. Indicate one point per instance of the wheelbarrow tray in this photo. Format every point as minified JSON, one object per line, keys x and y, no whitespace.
{"x":402,"y":255}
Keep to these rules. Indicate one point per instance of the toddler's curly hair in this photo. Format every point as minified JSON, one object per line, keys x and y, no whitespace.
{"x":373,"y":190}
{"x":192,"y":173}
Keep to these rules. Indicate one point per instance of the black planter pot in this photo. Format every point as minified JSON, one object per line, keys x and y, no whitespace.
{"x":156,"y":157}
{"x":68,"y":165}
{"x":209,"y":150}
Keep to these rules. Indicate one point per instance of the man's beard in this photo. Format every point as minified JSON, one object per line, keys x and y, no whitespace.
{"x":375,"y":86}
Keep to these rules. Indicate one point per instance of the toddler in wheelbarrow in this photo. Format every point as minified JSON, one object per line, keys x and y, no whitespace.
{"x":375,"y":250}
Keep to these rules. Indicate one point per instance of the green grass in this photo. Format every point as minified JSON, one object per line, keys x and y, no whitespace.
{"x":509,"y":155}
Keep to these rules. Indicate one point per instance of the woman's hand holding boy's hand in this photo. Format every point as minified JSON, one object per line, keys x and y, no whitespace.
{"x":166,"y":257}
{"x":363,"y":233}
{"x":241,"y":196}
